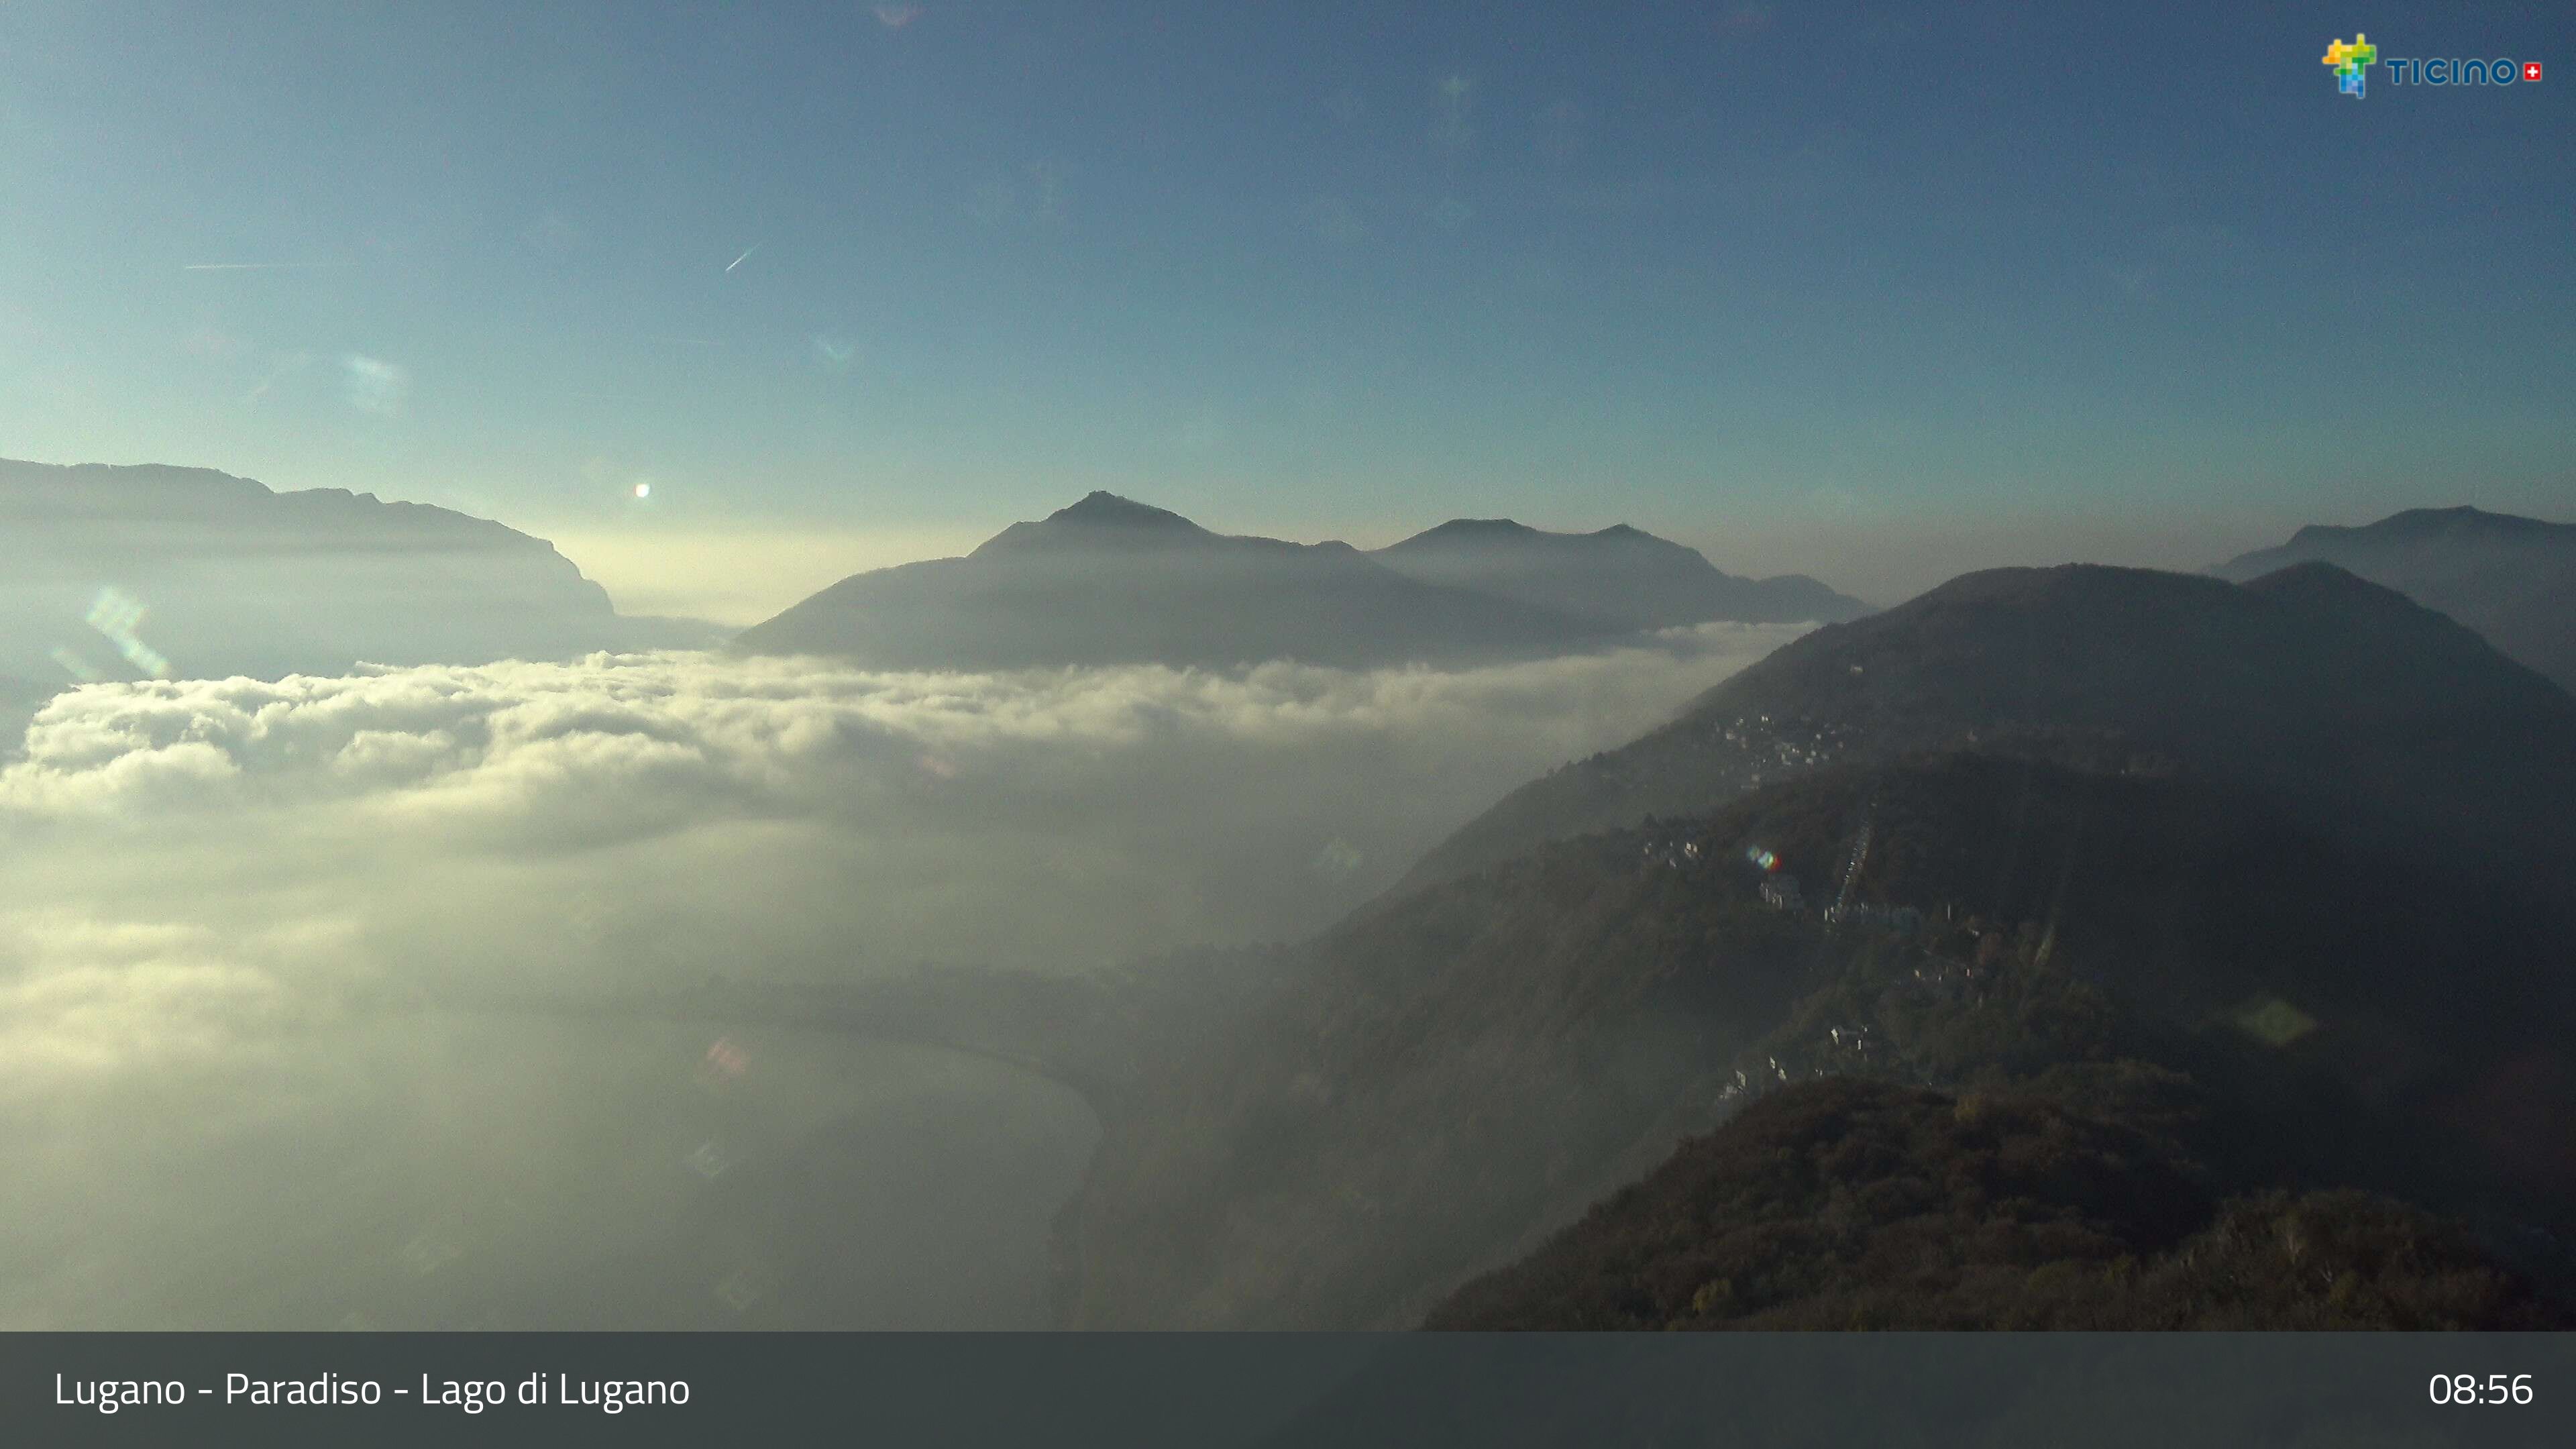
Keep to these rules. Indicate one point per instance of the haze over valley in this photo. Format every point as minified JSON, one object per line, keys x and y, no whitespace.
{"x":682,"y":944}
{"x":317,"y":908}
{"x":1324,"y":667}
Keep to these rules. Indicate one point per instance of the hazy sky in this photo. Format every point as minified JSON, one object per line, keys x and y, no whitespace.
{"x":1865,"y":293}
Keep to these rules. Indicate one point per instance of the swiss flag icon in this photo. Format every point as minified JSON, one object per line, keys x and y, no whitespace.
{"x":2531,"y":70}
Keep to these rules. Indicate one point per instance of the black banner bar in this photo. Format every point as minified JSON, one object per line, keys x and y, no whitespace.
{"x":1261,"y":1391}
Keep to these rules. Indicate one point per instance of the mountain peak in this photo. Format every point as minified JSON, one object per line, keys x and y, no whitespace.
{"x":1100,"y":519}
{"x":1102,"y":507}
{"x":1464,"y":530}
{"x":2421,"y":524}
{"x":2319,"y":577}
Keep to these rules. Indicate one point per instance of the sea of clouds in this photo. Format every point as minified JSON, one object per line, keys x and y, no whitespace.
{"x":219,"y":897}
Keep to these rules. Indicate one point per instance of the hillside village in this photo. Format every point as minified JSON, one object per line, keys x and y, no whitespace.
{"x":1929,"y":960}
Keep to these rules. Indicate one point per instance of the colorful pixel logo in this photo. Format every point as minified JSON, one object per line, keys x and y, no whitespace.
{"x":2352,"y":64}
{"x":2352,"y":59}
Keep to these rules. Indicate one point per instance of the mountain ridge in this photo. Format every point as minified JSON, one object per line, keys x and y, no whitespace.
{"x":2271,"y":838}
{"x":1920,"y":1210}
{"x":213,"y":574}
{"x":2129,"y":658}
{"x":1622,"y":575}
{"x":2511,"y":578}
{"x":1438,"y":1087}
{"x":1110,"y":580}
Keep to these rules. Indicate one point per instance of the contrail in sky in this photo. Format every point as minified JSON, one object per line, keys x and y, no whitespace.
{"x":255,"y":266}
{"x":746,"y":256}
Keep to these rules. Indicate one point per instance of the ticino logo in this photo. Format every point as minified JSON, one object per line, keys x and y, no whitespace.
{"x":2351,"y":61}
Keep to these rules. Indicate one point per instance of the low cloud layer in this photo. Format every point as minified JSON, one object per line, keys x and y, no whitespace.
{"x":239,"y":917}
{"x":861,"y":816}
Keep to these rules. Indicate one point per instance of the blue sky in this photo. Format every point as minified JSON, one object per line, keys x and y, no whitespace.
{"x":1875,"y":294}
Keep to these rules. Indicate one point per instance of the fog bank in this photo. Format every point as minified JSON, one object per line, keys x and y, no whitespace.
{"x":251,"y":933}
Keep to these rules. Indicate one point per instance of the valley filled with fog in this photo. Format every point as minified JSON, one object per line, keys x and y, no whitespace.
{"x":314,"y":987}
{"x":1274,"y":669}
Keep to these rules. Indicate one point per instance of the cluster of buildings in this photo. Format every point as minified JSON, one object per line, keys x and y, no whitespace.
{"x":1893,"y":918}
{"x":1673,"y":853}
{"x":1855,"y":1040}
{"x":1845,"y":1047}
{"x":1780,"y":747}
{"x":1754,"y":1084}
{"x":1781,"y":892}
{"x":1939,"y":979}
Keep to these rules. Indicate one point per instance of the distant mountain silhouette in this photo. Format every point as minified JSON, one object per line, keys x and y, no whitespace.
{"x":1112,"y":581}
{"x":2511,"y":579}
{"x":2307,"y":682}
{"x":231,"y":578}
{"x":1102,"y":520}
{"x":1625,"y":578}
